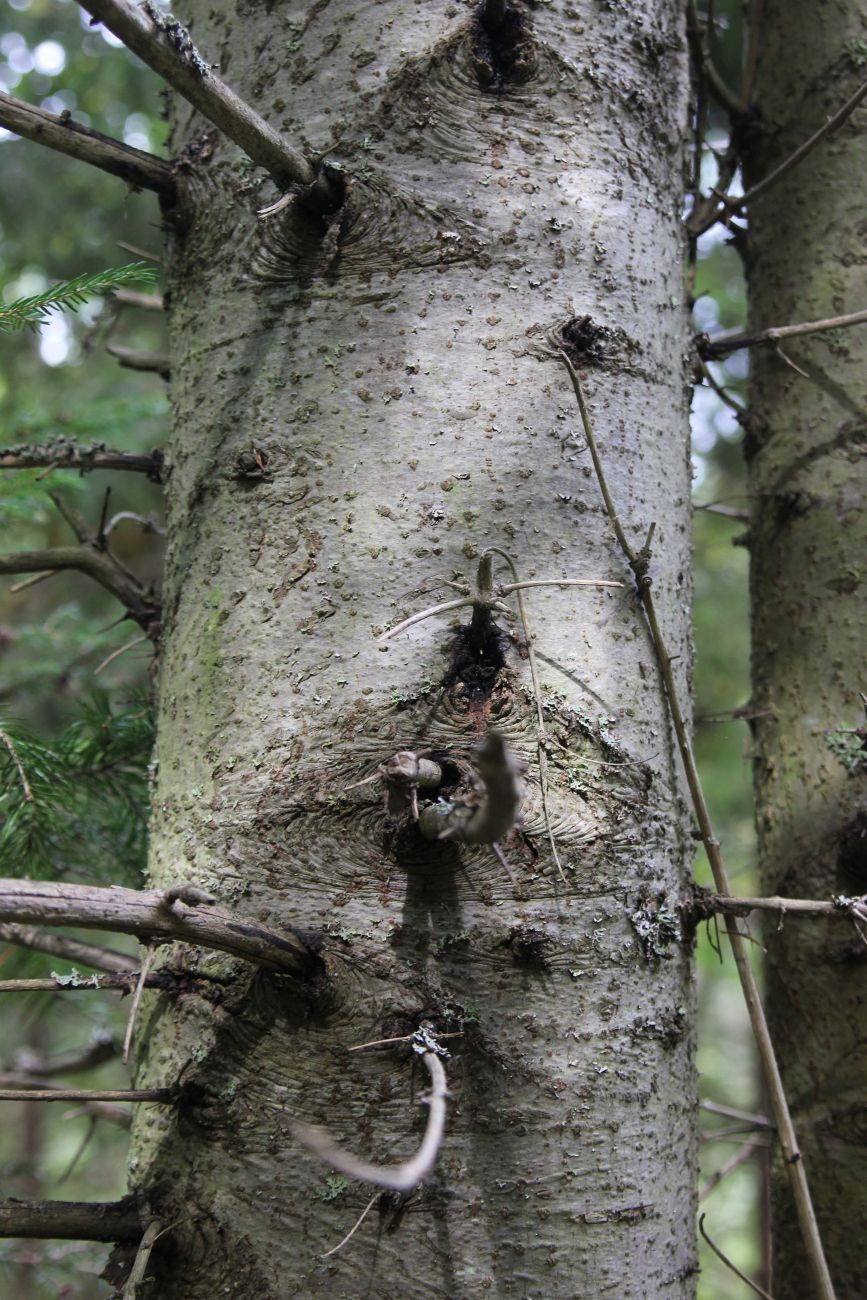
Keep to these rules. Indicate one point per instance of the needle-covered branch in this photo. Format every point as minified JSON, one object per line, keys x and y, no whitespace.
{"x":183,"y":914}
{"x":58,"y":131}
{"x":167,"y":48}
{"x":396,"y":1178}
{"x":61,"y":454}
{"x":71,"y":1220}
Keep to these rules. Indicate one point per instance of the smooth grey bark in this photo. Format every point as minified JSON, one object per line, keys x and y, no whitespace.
{"x":360,"y":408}
{"x":806,"y":445}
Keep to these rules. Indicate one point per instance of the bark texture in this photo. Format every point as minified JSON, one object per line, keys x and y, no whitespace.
{"x":360,"y":408}
{"x":806,"y":447}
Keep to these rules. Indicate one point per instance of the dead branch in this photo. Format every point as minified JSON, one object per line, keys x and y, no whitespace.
{"x":58,"y":131}
{"x":699,"y":42}
{"x":496,"y":813}
{"x":144,"y":301}
{"x":139,"y":1269}
{"x":135,"y":359}
{"x":74,"y":982}
{"x":58,"y":945}
{"x":61,"y":454}
{"x":747,"y":1151}
{"x":99,"y":565}
{"x":71,"y":1220}
{"x":722,"y":344}
{"x":840,"y":905}
{"x":167,"y":48}
{"x":28,"y":1063}
{"x":728,"y":1263}
{"x":639,"y":562}
{"x":396,"y":1178}
{"x":163,"y":1096}
{"x":152,"y":916}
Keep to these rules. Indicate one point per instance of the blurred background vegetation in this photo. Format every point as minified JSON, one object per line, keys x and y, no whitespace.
{"x":78,"y":718}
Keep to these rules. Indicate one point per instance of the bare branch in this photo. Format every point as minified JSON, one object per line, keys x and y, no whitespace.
{"x":352,"y":1231}
{"x":722,"y":344}
{"x":61,"y":454}
{"x":144,"y":301}
{"x":148,"y":915}
{"x":58,"y":131}
{"x":728,"y":1263}
{"x":134,"y":359}
{"x":495,"y":815}
{"x":70,"y":949}
{"x":167,"y":48}
{"x":396,"y":1178}
{"x":839,"y":906}
{"x":98,"y":565}
{"x":732,"y":205}
{"x":164,"y":1096}
{"x":71,"y":1220}
{"x":139,"y":1269}
{"x":28,"y":1063}
{"x":639,"y":562}
{"x":699,"y":41}
{"x":747,"y":1151}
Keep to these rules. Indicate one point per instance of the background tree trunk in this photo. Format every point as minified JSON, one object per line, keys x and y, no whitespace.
{"x":805,"y":447}
{"x":360,"y":408}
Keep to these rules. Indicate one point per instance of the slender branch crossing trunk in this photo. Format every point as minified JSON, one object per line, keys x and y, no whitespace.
{"x":362,"y":406}
{"x":808,"y":541}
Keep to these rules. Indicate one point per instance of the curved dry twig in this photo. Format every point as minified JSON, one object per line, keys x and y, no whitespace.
{"x":497,"y":811}
{"x":395,"y":1178}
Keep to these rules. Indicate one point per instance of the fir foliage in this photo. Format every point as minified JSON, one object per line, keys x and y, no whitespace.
{"x":77,"y":805}
{"x":69,"y":295}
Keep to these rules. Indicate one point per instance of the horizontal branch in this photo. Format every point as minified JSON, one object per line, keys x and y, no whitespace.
{"x":840,"y":906}
{"x":136,"y":359}
{"x":722,"y":344}
{"x":144,"y":301}
{"x":167,"y":48}
{"x":397,"y":1178}
{"x":58,"y":945}
{"x":71,"y":1220}
{"x":164,"y":1096}
{"x":58,"y":131}
{"x":157,"y":916}
{"x":69,"y":455}
{"x":74,"y":982}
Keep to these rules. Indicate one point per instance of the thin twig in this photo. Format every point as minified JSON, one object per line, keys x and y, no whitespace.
{"x":506,"y":588}
{"x":728,"y":1263}
{"x":732,"y":205}
{"x":699,"y":39}
{"x":731,"y":402}
{"x":145,"y":914}
{"x":58,"y":945}
{"x":747,"y":1151}
{"x":840,"y":906}
{"x":139,"y":988}
{"x":396,"y":1178}
{"x":15,"y":587}
{"x":639,"y":562}
{"x":165,"y":1096}
{"x":7,"y":741}
{"x":352,"y":1231}
{"x":115,"y":654}
{"x":541,"y":736}
{"x":444,"y":608}
{"x":748,"y":1116}
{"x":144,"y":301}
{"x":722,"y":344}
{"x":58,"y":131}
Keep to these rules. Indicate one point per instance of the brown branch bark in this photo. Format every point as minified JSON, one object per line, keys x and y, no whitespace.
{"x":135,"y":359}
{"x":722,"y":344}
{"x":166,"y":47}
{"x":69,"y":455}
{"x":58,"y":945}
{"x":59,"y":132}
{"x":154,"y":915}
{"x":163,"y":1096}
{"x":96,"y":564}
{"x":71,"y":1220}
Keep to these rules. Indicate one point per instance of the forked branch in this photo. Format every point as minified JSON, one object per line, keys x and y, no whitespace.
{"x":58,"y":131}
{"x":639,"y":561}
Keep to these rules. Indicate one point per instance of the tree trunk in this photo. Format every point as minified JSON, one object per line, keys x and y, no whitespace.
{"x":809,"y":537}
{"x":362,"y":405}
